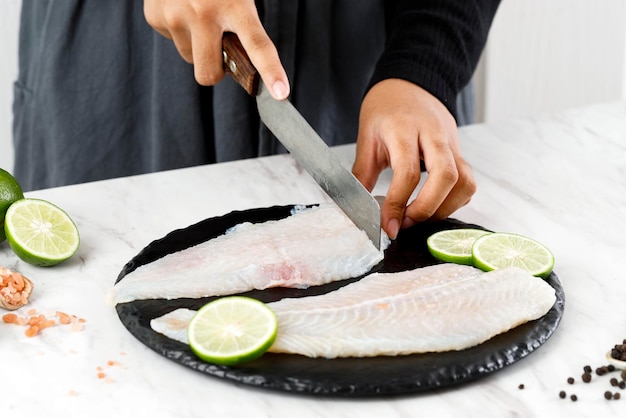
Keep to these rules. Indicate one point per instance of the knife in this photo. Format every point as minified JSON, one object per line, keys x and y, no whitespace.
{"x":306,"y":146}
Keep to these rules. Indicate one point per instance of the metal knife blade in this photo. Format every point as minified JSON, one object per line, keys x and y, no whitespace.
{"x":306,"y":146}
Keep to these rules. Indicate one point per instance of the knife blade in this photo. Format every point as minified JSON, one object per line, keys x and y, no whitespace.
{"x":304,"y":144}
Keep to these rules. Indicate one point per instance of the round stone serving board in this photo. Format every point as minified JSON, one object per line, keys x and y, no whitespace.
{"x":345,"y":377}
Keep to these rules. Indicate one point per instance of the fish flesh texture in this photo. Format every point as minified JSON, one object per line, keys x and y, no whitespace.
{"x":441,"y":308}
{"x":311,"y":247}
{"x":431,"y":309}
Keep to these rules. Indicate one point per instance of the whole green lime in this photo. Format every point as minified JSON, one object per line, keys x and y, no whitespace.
{"x":10,"y":191}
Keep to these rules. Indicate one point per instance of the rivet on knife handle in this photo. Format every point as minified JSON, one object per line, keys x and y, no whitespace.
{"x":238,"y":64}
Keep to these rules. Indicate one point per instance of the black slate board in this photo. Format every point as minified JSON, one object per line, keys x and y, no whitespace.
{"x":346,"y":377}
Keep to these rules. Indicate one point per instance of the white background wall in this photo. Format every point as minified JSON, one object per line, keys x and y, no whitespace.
{"x":542,"y":55}
{"x":9,"y":26}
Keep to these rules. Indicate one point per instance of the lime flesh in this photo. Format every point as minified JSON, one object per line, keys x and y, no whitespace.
{"x":500,"y":250}
{"x":40,"y":233}
{"x":454,"y":245}
{"x":232,"y":330}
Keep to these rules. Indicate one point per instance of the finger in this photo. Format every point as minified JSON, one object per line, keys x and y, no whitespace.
{"x":463,"y":189}
{"x":403,"y":183}
{"x":367,"y":164}
{"x":442,"y":177}
{"x":164,"y":32}
{"x":264,"y":57}
{"x":208,"y":64}
{"x":405,"y":164}
{"x":183,"y":44}
{"x":461,"y":193}
{"x":171,"y":26}
{"x":154,"y":15}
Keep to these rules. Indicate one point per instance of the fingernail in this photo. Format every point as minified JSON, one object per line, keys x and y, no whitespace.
{"x":393,"y":226}
{"x":280,"y":90}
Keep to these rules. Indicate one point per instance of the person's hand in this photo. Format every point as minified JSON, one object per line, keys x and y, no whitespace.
{"x":401,"y":124}
{"x":197,"y":27}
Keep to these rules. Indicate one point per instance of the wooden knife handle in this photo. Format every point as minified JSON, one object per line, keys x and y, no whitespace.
{"x":238,"y":65}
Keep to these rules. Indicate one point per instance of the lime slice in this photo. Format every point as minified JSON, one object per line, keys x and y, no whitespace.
{"x":454,"y":245}
{"x":499,"y":250}
{"x":40,"y":233}
{"x":232,"y":330}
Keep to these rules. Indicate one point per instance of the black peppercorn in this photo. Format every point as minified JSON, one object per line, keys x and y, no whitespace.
{"x":570,"y":380}
{"x":608,"y":395}
{"x":616,"y":395}
{"x":619,"y":352}
{"x":622,"y":384}
{"x":521,"y":386}
{"x":562,"y":394}
{"x":574,"y":398}
{"x":586,"y":377}
{"x":587,"y":369}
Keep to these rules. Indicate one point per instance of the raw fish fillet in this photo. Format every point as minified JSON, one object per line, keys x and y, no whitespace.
{"x":411,"y":312}
{"x":311,"y":247}
{"x":431,"y":309}
{"x":174,"y":324}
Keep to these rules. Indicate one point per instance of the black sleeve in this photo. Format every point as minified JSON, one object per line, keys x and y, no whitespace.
{"x":435,"y":44}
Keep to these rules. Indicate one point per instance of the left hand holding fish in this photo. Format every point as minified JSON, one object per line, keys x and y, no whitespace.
{"x":401,"y":124}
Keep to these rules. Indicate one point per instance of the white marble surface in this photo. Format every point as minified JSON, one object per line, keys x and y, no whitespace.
{"x":560,"y":179}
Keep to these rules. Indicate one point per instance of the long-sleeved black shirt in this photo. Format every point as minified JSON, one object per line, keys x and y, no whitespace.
{"x":435,"y":43}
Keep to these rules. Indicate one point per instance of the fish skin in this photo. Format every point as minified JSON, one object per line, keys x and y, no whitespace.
{"x":258,"y":256}
{"x":432,"y":309}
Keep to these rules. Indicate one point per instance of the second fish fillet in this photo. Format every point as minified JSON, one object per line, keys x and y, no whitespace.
{"x":432,"y":309}
{"x":439,"y":308}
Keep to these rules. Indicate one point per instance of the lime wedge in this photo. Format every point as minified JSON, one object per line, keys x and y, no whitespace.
{"x":40,"y":233}
{"x":232,"y":330}
{"x":454,"y":245}
{"x":499,"y":250}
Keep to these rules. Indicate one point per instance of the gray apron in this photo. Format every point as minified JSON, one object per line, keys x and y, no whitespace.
{"x":100,"y":94}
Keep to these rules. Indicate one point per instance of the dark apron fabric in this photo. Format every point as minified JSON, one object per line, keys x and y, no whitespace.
{"x":100,"y":94}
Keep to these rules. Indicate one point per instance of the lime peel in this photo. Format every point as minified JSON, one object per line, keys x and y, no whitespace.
{"x":232,"y":330}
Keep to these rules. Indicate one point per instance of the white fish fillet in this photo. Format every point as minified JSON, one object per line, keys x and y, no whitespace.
{"x":442,"y":313}
{"x":432,"y":309}
{"x":312,"y":247}
{"x":174,"y":324}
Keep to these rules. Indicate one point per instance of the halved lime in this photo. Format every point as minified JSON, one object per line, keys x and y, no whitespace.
{"x":10,"y":192}
{"x":232,"y":330}
{"x":454,"y":245}
{"x":499,"y":250}
{"x":40,"y":233}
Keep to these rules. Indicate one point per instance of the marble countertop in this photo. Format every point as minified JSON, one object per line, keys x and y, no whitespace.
{"x":560,"y":179}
